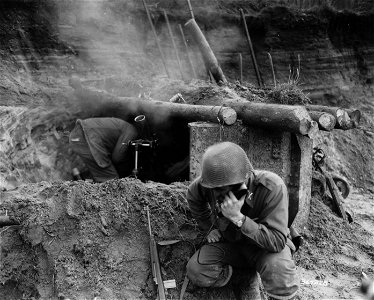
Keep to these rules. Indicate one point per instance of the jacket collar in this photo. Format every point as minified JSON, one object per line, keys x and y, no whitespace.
{"x":252,"y":184}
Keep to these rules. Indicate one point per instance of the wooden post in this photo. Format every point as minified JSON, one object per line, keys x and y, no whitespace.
{"x":187,"y":51}
{"x":210,"y":60}
{"x":155,"y":35}
{"x":174,"y":45}
{"x":190,"y":9}
{"x":251,"y":49}
{"x":241,"y":68}
{"x":272,"y":69}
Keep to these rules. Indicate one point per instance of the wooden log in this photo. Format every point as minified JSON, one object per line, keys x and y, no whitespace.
{"x":209,"y":58}
{"x":289,"y":118}
{"x":190,"y":9}
{"x":355,"y":116}
{"x":7,"y":221}
{"x":342,"y":116}
{"x":106,"y":104}
{"x":326,"y":121}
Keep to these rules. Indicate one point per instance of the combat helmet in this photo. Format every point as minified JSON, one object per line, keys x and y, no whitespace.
{"x":224,"y":164}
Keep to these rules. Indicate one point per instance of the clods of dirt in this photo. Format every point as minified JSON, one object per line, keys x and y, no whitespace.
{"x":84,"y":240}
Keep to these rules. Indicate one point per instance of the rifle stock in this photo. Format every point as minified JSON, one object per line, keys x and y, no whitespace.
{"x":155,"y":262}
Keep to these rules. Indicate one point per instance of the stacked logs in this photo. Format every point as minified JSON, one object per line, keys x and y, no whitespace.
{"x":298,"y":119}
{"x":304,"y":120}
{"x":329,"y":118}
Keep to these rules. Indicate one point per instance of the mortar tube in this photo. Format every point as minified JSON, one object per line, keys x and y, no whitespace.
{"x":142,"y":126}
{"x":135,"y":172}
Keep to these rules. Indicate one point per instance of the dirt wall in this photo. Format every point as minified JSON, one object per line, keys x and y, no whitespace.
{"x":79,"y":240}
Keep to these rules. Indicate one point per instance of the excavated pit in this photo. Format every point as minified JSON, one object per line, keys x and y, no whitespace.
{"x":80,"y":240}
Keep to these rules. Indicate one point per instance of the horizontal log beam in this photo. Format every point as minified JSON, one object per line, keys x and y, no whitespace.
{"x":156,"y":111}
{"x":326,"y":121}
{"x":289,"y":118}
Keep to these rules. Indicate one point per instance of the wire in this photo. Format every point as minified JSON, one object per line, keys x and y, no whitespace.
{"x":221,"y":123}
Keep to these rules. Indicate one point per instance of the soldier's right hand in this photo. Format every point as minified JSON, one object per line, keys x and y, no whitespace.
{"x":214,"y":236}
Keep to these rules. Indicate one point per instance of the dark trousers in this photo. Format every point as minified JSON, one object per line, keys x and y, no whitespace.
{"x":277,"y":270}
{"x":80,"y":146}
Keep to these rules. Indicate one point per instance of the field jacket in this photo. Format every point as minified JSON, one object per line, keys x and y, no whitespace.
{"x":108,"y":139}
{"x":266,"y":211}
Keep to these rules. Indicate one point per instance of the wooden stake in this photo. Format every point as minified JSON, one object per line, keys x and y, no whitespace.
{"x":211,"y":77}
{"x":272,"y":69}
{"x":241,"y":68}
{"x":174,"y":45}
{"x":190,"y":9}
{"x":251,"y":49}
{"x":155,"y":35}
{"x":187,"y":51}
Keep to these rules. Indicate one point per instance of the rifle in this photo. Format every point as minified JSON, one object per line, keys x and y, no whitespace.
{"x":155,"y":262}
{"x":334,"y":190}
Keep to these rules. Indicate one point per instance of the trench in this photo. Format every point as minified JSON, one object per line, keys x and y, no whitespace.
{"x":34,"y":129}
{"x":31,"y":33}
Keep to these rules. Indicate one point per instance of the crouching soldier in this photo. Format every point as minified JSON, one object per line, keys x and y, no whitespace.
{"x":103,"y":145}
{"x":247,"y":231}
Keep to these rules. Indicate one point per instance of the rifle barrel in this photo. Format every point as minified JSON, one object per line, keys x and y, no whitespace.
{"x":155,"y":262}
{"x":149,"y":222}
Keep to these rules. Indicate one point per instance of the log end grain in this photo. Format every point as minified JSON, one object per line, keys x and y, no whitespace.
{"x":326,"y":121}
{"x":189,"y":22}
{"x":355,"y":116}
{"x":313,"y":130}
{"x":343,"y":120}
{"x":227,"y":115}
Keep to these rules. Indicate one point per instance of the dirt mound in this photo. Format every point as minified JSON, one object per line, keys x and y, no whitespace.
{"x":84,"y":240}
{"x":335,"y":245}
{"x":81,"y":240}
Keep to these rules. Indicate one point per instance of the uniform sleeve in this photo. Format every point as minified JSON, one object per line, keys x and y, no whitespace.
{"x":129,"y":133}
{"x":199,"y":206}
{"x":270,"y":233}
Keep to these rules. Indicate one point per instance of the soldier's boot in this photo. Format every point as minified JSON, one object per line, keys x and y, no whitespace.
{"x":245,"y":285}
